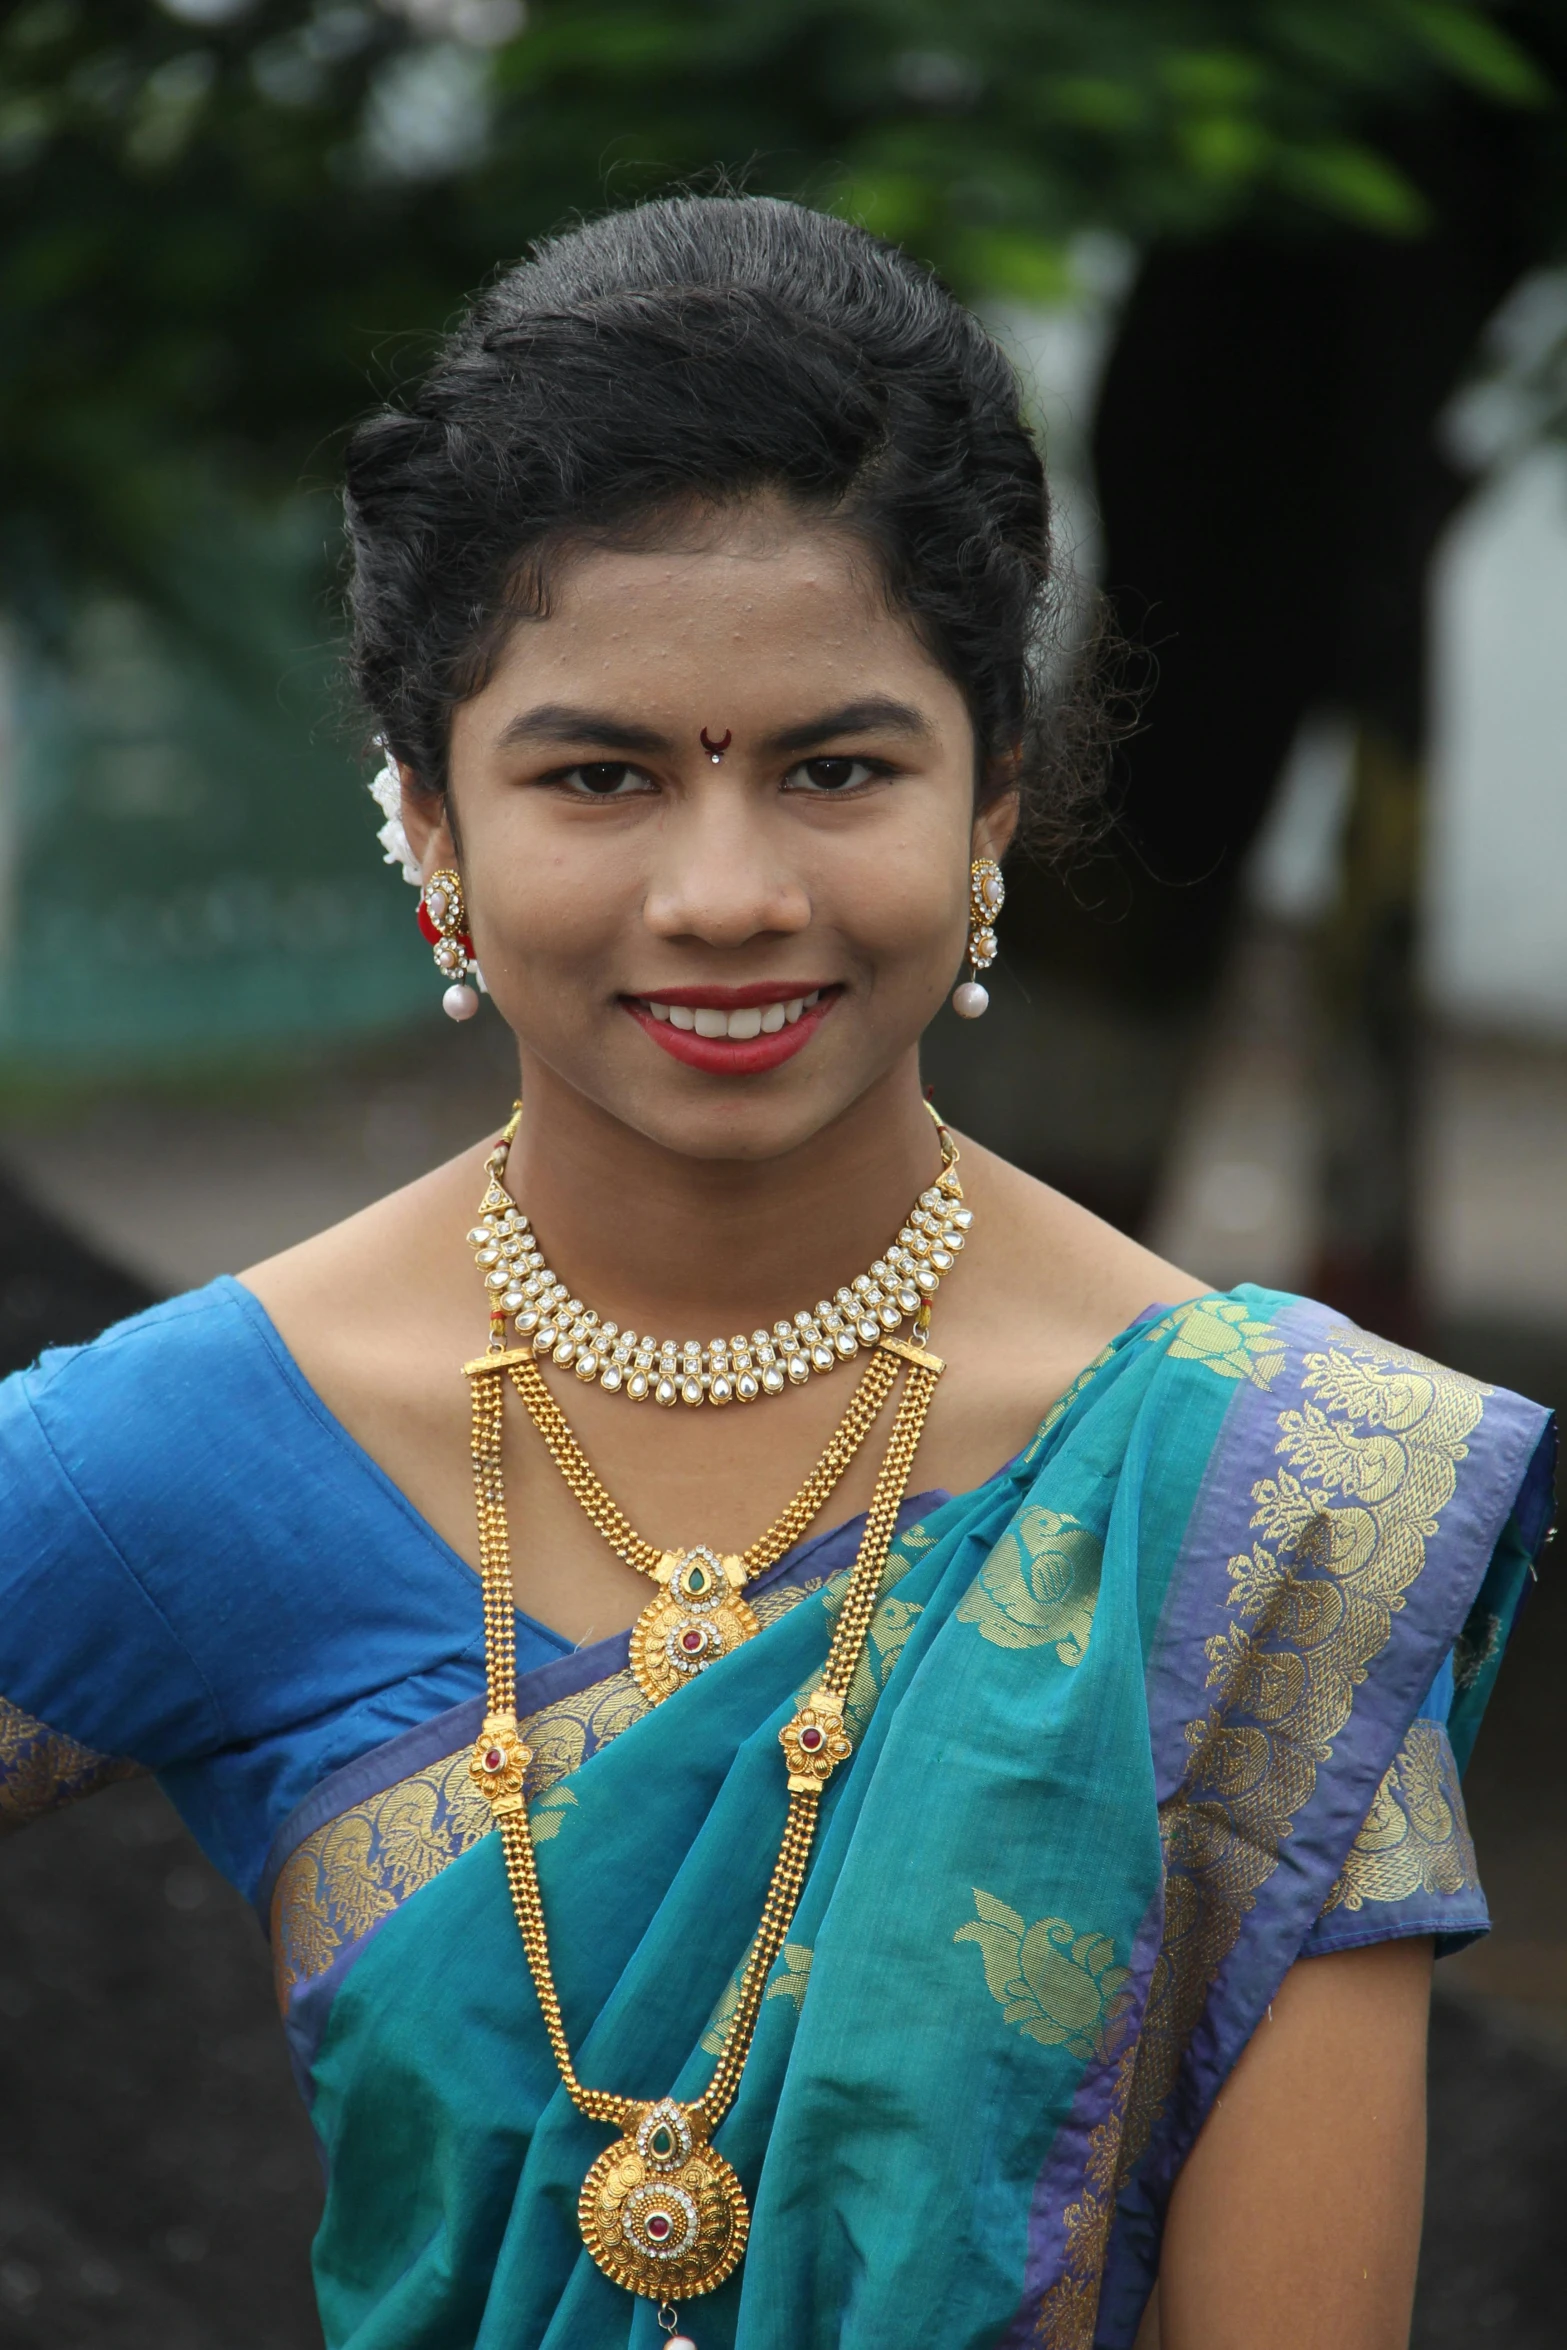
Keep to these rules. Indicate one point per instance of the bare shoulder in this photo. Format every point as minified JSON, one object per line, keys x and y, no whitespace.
{"x":1058,"y":1265}
{"x":395,"y":1267}
{"x":1045,"y":1286}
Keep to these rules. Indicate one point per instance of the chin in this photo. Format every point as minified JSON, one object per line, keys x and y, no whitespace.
{"x":748,"y":1132}
{"x":744,"y":1119}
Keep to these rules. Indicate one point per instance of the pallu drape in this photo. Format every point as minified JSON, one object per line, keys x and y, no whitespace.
{"x":1180,"y":1695}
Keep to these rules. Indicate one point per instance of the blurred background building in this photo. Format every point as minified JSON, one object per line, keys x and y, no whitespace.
{"x":1288,"y":287}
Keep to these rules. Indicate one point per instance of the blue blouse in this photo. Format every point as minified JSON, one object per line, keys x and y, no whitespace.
{"x":152,"y":1610}
{"x":203,"y":1575}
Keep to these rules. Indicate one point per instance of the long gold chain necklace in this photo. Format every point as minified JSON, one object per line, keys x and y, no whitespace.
{"x":747,"y":1367}
{"x":661,"y":2211}
{"x":699,"y":1613}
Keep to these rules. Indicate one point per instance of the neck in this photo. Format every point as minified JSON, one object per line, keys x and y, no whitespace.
{"x":705,"y":1248}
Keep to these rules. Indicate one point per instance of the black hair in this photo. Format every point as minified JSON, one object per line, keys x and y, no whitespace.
{"x":691,"y":351}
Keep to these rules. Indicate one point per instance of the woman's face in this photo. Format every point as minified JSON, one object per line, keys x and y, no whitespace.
{"x":723,"y":953}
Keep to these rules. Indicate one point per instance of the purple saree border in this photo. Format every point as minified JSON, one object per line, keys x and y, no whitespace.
{"x":423,"y":1743}
{"x":309,"y":2002}
{"x":1063,"y":2187}
{"x":1497,"y":1472}
{"x":431,"y":1741}
{"x":413,"y":1749}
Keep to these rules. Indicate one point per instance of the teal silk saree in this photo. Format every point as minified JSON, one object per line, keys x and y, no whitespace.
{"x":1124,"y":1711}
{"x":1179,"y":1695}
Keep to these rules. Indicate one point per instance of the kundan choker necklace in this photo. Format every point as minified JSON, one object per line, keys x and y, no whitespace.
{"x":550,"y":1321}
{"x":661,"y":2212}
{"x":699,"y":1612}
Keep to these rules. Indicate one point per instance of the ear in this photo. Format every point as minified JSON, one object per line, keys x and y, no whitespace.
{"x":427,"y":825}
{"x":996,"y":825}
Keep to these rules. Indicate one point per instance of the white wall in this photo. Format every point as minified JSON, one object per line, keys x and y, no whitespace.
{"x":1496,"y":878}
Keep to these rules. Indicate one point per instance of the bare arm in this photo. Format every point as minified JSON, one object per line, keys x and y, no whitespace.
{"x":1296,"y":2220}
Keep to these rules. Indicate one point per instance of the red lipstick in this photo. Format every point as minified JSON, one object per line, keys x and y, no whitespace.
{"x":733,"y":1056}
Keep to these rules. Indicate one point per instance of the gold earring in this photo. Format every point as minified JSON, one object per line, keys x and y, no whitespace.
{"x":443,"y":919}
{"x":987,"y":894}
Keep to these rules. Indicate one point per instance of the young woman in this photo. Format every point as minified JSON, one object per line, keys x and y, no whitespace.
{"x":947,"y":1843}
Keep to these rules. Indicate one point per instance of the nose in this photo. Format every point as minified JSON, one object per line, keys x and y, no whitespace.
{"x":721,"y":877}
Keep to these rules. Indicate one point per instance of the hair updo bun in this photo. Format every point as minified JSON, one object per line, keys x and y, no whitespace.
{"x":705,"y":347}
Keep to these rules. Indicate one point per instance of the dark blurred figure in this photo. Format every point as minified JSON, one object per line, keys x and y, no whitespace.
{"x":53,"y":1292}
{"x":158,"y":2185}
{"x":1272,"y":488}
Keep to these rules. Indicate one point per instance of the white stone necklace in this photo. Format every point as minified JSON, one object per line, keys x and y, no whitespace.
{"x":727,"y":1370}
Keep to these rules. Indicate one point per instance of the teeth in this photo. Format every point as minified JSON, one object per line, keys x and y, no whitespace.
{"x":753,"y":1020}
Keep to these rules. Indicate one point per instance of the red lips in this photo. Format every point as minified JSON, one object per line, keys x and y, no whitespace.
{"x":732,"y":1056}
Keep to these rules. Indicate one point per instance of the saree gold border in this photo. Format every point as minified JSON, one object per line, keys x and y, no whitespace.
{"x":40,"y":1768}
{"x":1416,"y":1837}
{"x":358,"y":1868}
{"x":1370,"y":1457}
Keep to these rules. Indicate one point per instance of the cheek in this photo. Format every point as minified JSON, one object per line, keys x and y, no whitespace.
{"x":900,"y":909}
{"x":540,"y":903}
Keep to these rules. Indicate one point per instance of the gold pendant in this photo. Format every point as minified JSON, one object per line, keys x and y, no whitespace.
{"x":697,"y":1617}
{"x":661,"y":2212}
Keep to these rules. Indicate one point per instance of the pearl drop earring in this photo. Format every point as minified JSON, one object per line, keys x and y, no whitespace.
{"x":987,"y":895}
{"x":443,"y":919}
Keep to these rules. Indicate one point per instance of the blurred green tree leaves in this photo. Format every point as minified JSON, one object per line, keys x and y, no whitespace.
{"x":224,"y":226}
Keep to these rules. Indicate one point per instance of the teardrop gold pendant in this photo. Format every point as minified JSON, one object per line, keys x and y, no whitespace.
{"x":697,"y":1616}
{"x":661,"y":2212}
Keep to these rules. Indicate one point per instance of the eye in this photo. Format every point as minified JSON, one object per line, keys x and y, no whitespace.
{"x":604,"y":779}
{"x":828,"y":777}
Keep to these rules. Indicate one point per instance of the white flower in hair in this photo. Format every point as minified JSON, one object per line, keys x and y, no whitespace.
{"x":386,"y":789}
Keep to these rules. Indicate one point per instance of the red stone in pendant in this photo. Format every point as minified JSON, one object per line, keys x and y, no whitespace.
{"x":692,"y":1642}
{"x":810,"y":1739}
{"x":658,"y":2225}
{"x":494,"y":1759}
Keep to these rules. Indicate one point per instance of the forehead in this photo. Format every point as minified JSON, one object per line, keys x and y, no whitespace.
{"x":753,"y":603}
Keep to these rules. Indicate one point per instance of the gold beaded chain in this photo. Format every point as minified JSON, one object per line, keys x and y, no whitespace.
{"x":608,"y":1519}
{"x":700,"y":1612}
{"x":661,"y":2212}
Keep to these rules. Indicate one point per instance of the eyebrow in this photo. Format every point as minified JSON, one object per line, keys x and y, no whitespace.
{"x":874,"y":714}
{"x":571,"y":722}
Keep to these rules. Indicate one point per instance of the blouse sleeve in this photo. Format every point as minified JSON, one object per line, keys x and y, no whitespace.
{"x":1412,"y":1868}
{"x":202,"y":1576}
{"x":94,"y":1684}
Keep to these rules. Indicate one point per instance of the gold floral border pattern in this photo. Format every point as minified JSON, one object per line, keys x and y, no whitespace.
{"x":1069,"y":2311}
{"x":1370,"y":1459}
{"x":359,"y":1867}
{"x":1416,"y":1838}
{"x":41,"y":1769}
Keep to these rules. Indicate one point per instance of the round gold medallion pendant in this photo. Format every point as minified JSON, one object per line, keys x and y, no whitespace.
{"x":697,"y":1617}
{"x":662,"y":2213}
